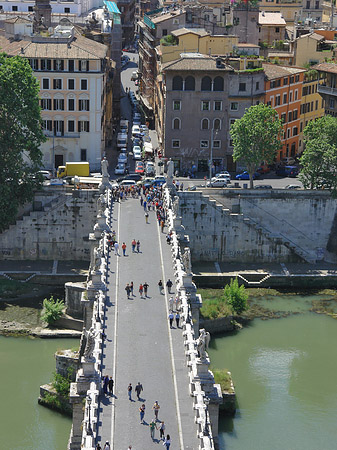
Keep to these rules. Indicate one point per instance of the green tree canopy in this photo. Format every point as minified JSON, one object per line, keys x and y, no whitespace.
{"x":256,"y":137}
{"x":20,"y":136}
{"x":319,"y":159}
{"x":236,"y":296}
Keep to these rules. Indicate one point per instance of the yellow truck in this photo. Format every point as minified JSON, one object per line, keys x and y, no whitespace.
{"x":81,"y":169}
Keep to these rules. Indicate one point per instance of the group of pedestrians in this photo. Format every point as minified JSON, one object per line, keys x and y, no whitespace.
{"x":113,"y":244}
{"x":121,"y":193}
{"x":143,"y":289}
{"x":108,"y":385}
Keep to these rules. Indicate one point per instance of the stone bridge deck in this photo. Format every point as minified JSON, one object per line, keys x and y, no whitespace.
{"x":140,"y":346}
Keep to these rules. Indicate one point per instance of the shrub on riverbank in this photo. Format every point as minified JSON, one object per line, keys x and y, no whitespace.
{"x":224,"y":378}
{"x":12,"y":288}
{"x":52,"y":310}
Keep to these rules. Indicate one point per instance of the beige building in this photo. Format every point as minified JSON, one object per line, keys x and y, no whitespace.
{"x":272,"y":27}
{"x":72,"y":72}
{"x":312,"y":48}
{"x":290,"y":9}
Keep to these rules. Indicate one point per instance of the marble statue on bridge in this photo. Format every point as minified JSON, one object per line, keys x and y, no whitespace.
{"x":203,"y":343}
{"x":90,"y":344}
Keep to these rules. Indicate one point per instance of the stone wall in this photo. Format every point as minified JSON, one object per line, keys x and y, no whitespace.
{"x":59,"y":231}
{"x":74,"y":293}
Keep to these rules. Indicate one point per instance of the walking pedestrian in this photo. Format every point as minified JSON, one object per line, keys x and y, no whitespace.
{"x":142,"y":413}
{"x":133,"y":244}
{"x":153,"y":427}
{"x":171,"y":304}
{"x":160,"y":286}
{"x":162,"y":224}
{"x":177,"y":319}
{"x":131,"y":288}
{"x":169,"y":284}
{"x":105,"y":384}
{"x":167,"y":442}
{"x":111,"y":386}
{"x":145,"y":286}
{"x":116,"y":247}
{"x":138,"y":246}
{"x":156,"y":409}
{"x":130,"y":391}
{"x":98,"y":447}
{"x":171,"y":317}
{"x":141,"y":201}
{"x":141,"y":287}
{"x":147,"y":217}
{"x":144,"y":205}
{"x":124,"y":248}
{"x":106,"y":446}
{"x":162,"y":430}
{"x":138,"y":389}
{"x":128,"y":290}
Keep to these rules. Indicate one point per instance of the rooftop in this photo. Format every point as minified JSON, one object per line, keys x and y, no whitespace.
{"x":312,"y":35}
{"x":166,"y":16}
{"x":195,"y":61}
{"x":326,"y":67}
{"x":182,"y":31}
{"x":271,"y":18}
{"x":273,"y":71}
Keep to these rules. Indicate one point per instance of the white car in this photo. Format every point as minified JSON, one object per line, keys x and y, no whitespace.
{"x":135,"y":130}
{"x":46,"y":174}
{"x":137,"y":152}
{"x":128,"y":183}
{"x":120,"y":169}
{"x":222,"y":176}
{"x":144,"y":128}
{"x":150,"y":168}
{"x":220,"y":182}
{"x":122,"y":158}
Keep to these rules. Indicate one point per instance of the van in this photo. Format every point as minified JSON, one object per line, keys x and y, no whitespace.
{"x":122,"y":140}
{"x":124,"y":126}
{"x":134,"y":76}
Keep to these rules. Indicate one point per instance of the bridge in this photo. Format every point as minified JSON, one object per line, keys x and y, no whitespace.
{"x":130,"y":339}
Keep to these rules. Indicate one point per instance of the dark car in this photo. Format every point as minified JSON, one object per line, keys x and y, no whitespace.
{"x":130,"y":176}
{"x":245,"y":176}
{"x":287,"y":171}
{"x":263,"y":186}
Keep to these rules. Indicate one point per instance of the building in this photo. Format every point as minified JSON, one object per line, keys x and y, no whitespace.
{"x":72,"y":72}
{"x":272,"y":27}
{"x":290,"y":9}
{"x":198,"y":98}
{"x":327,"y":86}
{"x":283,"y":87}
{"x":245,"y":16}
{"x":312,"y":48}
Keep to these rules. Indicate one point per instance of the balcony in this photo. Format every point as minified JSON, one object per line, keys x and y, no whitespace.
{"x":327,"y":90}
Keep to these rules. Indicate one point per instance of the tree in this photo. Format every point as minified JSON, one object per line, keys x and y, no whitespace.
{"x":236,"y":296}
{"x":52,"y":310}
{"x":20,"y":136}
{"x":319,"y":159}
{"x":256,"y":137}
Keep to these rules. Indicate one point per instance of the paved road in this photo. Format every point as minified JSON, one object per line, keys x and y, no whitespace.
{"x":140,"y":346}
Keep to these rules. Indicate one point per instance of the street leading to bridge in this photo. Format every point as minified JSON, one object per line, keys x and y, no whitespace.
{"x":139,"y":344}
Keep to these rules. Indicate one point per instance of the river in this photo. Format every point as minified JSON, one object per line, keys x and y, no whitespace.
{"x":284,"y":371}
{"x":25,"y":365}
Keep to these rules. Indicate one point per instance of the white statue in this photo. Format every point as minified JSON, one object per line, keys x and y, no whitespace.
{"x":104,"y":167}
{"x":97,"y":258}
{"x":203,"y":343}
{"x":170,"y":170}
{"x":90,"y":344}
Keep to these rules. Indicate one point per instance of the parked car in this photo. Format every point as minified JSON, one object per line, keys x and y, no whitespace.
{"x":287,"y":171}
{"x":135,"y":130}
{"x":245,"y":176}
{"x":134,"y":76}
{"x":289,"y":161}
{"x":222,"y":176}
{"x":45,"y":174}
{"x":150,"y":169}
{"x":137,"y":141}
{"x":130,"y":176}
{"x":219,"y":182}
{"x":147,"y":181}
{"x":137,"y":152}
{"x":139,"y":168}
{"x":128,"y":183}
{"x":122,"y":158}
{"x":144,"y":128}
{"x":292,"y":186}
{"x":120,"y":169}
{"x":263,"y":186}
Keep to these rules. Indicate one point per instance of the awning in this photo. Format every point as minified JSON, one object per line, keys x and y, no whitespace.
{"x":112,"y":7}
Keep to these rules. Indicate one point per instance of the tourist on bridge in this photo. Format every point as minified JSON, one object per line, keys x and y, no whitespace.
{"x":153,"y":427}
{"x":116,"y":246}
{"x":156,"y":409}
{"x":98,"y":447}
{"x":138,"y":246}
{"x":128,"y":290}
{"x":162,"y":430}
{"x":147,"y":217}
{"x":131,"y":288}
{"x":133,"y":245}
{"x":145,"y":286}
{"x":171,"y":317}
{"x":138,"y":389}
{"x":142,"y":413}
{"x":177,"y":319}
{"x":106,"y":446}
{"x":160,"y":286}
{"x":169,"y":284}
{"x":111,"y":386}
{"x":144,"y":204}
{"x":167,"y":442}
{"x":105,"y":384}
{"x":141,"y":287}
{"x":171,"y":304}
{"x":130,"y":391}
{"x":124,"y":248}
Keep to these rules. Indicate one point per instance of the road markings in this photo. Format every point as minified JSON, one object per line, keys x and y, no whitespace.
{"x":171,"y":347}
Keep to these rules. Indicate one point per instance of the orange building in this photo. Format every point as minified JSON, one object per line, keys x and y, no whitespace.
{"x":283,"y":87}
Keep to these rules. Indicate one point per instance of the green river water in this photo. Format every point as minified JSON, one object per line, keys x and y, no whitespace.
{"x":284,"y":371}
{"x":25,"y":365}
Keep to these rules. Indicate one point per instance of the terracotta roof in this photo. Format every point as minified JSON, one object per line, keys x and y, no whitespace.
{"x":273,"y":71}
{"x":315,"y":36}
{"x":182,"y":31}
{"x":18,"y":19}
{"x":198,"y":63}
{"x":271,"y":18}
{"x":79,"y":48}
{"x":326,"y":67}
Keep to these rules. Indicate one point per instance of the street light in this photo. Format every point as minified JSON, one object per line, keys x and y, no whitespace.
{"x":89,"y":429}
{"x":211,"y":158}
{"x":206,"y":429}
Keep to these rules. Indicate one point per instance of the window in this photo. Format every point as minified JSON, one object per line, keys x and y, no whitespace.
{"x":277,"y":29}
{"x":84,"y":85}
{"x":296,"y":94}
{"x":317,"y":4}
{"x":47,"y":125}
{"x":45,"y":64}
{"x":295,"y":131}
{"x":308,"y":4}
{"x":58,"y":127}
{"x":290,"y":96}
{"x":164,"y":32}
{"x":291,"y":79}
{"x":285,"y":81}
{"x":189,"y":83}
{"x":236,"y":21}
{"x":257,"y":85}
{"x":83,"y":105}
{"x":316,"y":105}
{"x":71,"y":65}
{"x":331,"y":103}
{"x":216,"y":124}
{"x":284,"y":98}
{"x":14,"y":8}
{"x":218,"y":84}
{"x":67,"y":10}
{"x":58,"y":104}
{"x":71,"y":127}
{"x":284,"y":117}
{"x":71,"y":104}
{"x":177,"y":83}
{"x":83,"y":154}
{"x":83,"y":125}
{"x":206,"y":84}
{"x":58,"y":64}
{"x":217,"y":105}
{"x":205,"y":124}
{"x":30,"y":9}
{"x":216,"y":144}
{"x":176,"y":105}
{"x":295,"y":114}
{"x":175,"y":143}
{"x":204,"y":144}
{"x":83,"y":65}
{"x":45,"y":83}
{"x":46,"y":104}
{"x":290,"y":116}
{"x":231,"y":121}
{"x":288,"y":133}
{"x":234,"y":106}
{"x":34,"y":63}
{"x":277,"y":100}
{"x":176,"y":124}
{"x":205,"y":106}
{"x":71,"y":84}
{"x":242,"y":87}
{"x":231,"y":143}
{"x":57,"y":83}
{"x":301,"y":127}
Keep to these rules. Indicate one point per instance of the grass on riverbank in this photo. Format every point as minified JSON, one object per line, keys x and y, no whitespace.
{"x":213,"y":304}
{"x":224,"y":378}
{"x":10,"y":289}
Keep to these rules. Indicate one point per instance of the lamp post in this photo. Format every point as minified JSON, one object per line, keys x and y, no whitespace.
{"x":211,"y":156}
{"x":89,"y":429}
{"x":206,"y":429}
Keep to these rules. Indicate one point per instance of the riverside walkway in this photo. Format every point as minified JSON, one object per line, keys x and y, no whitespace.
{"x":139,"y":344}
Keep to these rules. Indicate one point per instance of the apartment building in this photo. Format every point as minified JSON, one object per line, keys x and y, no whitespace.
{"x":272,"y":27}
{"x":327,"y":86}
{"x":72,"y":72}
{"x":290,"y":9}
{"x":312,"y":48}
{"x":283,"y":87}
